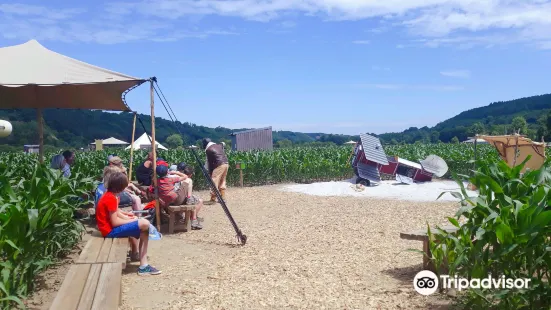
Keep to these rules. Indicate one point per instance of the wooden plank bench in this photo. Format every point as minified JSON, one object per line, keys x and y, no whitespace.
{"x":421,"y":235}
{"x":100,"y":250}
{"x":90,"y":287}
{"x":173,"y":210}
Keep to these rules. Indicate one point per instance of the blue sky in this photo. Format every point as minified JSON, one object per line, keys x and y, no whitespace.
{"x":334,"y":66}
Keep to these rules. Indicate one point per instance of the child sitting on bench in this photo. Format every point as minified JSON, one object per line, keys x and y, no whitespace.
{"x":112,"y":223}
{"x":166,"y":190}
{"x":191,"y":199}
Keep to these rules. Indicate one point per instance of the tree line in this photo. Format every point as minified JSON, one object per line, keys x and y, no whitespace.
{"x":76,"y":129}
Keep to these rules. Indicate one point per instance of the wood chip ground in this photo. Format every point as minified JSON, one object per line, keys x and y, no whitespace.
{"x":303,"y":252}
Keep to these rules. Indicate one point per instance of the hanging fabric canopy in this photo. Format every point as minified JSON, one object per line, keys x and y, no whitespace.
{"x":32,"y":76}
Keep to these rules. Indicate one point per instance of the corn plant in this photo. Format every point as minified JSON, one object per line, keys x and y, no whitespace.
{"x":36,"y":224}
{"x":506,"y":233}
{"x":301,"y":164}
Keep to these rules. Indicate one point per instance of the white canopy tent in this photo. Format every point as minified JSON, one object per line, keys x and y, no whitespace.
{"x":112,"y":141}
{"x":34,"y":77}
{"x":143,"y":140}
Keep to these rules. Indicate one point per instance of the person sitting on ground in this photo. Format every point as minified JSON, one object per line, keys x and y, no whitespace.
{"x":69,"y":161}
{"x":58,"y":163}
{"x":191,"y":200}
{"x":144,"y":173}
{"x":112,"y":223}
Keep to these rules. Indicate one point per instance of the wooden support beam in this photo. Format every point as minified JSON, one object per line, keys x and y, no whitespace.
{"x":132,"y":149}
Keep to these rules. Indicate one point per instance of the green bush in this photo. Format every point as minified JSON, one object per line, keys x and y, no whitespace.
{"x":506,"y":233}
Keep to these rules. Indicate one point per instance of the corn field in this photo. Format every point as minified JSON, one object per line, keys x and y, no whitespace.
{"x":37,"y":206}
{"x":37,"y":222}
{"x":299,"y":165}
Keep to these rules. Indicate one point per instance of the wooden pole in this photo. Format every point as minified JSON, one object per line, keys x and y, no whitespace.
{"x":40,"y":121}
{"x":132,"y":148}
{"x":157,"y":207}
{"x":240,"y":176}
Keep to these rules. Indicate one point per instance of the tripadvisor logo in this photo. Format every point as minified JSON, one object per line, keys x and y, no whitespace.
{"x":426,"y":283}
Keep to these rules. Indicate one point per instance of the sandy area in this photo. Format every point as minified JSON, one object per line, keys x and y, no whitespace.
{"x":303,"y":252}
{"x":428,"y":191}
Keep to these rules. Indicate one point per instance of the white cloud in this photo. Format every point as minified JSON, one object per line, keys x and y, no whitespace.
{"x":21,"y":21}
{"x":288,"y":24}
{"x":378,"y":30}
{"x":545,"y":45}
{"x":361,"y":42}
{"x":378,"y":68}
{"x":412,"y":87}
{"x":463,"y":23}
{"x":464,"y":74}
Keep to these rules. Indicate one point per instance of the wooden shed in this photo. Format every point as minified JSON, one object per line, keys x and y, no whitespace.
{"x":254,"y":139}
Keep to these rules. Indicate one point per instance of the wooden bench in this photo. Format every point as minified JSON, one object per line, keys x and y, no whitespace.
{"x":90,"y":287}
{"x":173,"y":211}
{"x":104,"y":250}
{"x":421,"y":235}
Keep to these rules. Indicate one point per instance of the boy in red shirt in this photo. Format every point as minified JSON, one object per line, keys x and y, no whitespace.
{"x":113,"y":223}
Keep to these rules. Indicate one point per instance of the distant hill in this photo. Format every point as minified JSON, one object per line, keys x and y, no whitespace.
{"x":78,"y":128}
{"x":496,"y":118}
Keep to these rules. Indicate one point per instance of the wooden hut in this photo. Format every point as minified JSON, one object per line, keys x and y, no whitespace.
{"x":254,"y":139}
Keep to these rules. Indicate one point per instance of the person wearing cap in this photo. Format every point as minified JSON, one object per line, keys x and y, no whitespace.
{"x":217,"y":165}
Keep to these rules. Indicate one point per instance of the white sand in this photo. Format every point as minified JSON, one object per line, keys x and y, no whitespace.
{"x":427,"y":191}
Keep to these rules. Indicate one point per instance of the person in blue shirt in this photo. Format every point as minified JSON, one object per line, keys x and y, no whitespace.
{"x":69,"y":161}
{"x":58,"y":163}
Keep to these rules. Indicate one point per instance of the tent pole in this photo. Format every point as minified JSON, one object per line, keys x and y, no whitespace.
{"x":153,"y":149}
{"x":132,"y":148}
{"x":40,"y":122}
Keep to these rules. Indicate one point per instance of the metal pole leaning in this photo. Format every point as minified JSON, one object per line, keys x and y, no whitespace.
{"x":154,"y":165}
